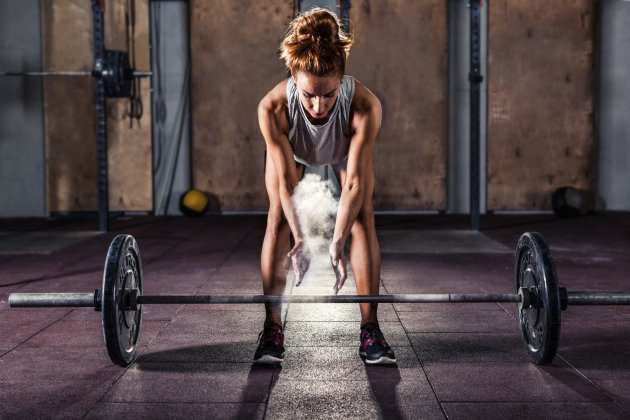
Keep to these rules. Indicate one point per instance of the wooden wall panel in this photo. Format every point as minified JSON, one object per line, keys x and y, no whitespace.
{"x":400,"y":54}
{"x":69,"y":112}
{"x":540,"y":89}
{"x":235,"y":63}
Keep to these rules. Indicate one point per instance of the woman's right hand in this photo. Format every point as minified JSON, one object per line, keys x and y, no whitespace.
{"x":300,"y":259}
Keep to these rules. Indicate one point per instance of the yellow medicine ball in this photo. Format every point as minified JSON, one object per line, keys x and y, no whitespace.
{"x":193,"y":202}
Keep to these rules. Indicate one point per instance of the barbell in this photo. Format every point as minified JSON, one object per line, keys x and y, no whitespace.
{"x":115,"y":71}
{"x":540,"y":299}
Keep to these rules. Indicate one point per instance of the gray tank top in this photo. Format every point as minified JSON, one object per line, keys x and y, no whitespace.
{"x":315,"y":145}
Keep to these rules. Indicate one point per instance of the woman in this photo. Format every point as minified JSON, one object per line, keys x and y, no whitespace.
{"x":320,"y":116}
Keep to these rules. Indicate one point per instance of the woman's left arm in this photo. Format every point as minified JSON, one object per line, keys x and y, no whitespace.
{"x":366,"y":122}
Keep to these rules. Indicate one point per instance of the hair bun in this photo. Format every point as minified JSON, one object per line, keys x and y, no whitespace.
{"x":316,"y":43}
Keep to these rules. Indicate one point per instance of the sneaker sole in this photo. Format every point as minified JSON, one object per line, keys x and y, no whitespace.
{"x":380,"y":361}
{"x":268,"y":360}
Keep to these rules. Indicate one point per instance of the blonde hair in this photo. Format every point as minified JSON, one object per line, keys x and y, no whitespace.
{"x":315,"y":43}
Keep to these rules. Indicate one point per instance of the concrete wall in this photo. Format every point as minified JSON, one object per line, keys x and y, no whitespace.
{"x":614,"y":105}
{"x":22,"y":183}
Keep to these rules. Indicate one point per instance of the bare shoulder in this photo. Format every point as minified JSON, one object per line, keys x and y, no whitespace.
{"x":365,"y":103}
{"x":274,"y":106}
{"x":276,"y":98}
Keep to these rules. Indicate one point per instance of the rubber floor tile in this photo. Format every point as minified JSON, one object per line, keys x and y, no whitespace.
{"x":86,"y":334}
{"x":600,"y":350}
{"x":441,"y":285}
{"x":192,"y":383}
{"x":617,"y":390}
{"x":185,"y":265}
{"x":76,"y":281}
{"x":353,"y":400}
{"x":334,"y":334}
{"x":476,"y":321}
{"x":57,"y":363}
{"x":335,"y":312}
{"x":187,"y":348}
{"x":174,"y":411}
{"x":19,"y":324}
{"x":469,"y":347}
{"x":533,"y":410}
{"x":216,"y":322}
{"x":581,"y":314}
{"x":49,"y":399}
{"x":345,"y":364}
{"x":509,"y":381}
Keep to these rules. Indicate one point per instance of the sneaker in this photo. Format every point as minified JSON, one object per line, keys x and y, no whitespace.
{"x":374,"y":348}
{"x":270,"y":345}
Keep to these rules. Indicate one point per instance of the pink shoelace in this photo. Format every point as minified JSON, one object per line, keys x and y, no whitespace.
{"x":370,"y":336}
{"x":271,"y":335}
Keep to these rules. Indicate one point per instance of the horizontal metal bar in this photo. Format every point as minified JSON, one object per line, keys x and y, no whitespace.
{"x":88,"y":299}
{"x":31,"y":300}
{"x":78,"y":73}
{"x":402,"y":298}
{"x":46,"y":73}
{"x":598,"y":298}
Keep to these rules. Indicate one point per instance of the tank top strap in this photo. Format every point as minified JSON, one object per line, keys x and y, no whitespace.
{"x":292,"y":101}
{"x":346,"y":94}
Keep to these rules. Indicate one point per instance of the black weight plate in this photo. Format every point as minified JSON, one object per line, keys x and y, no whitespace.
{"x":121,"y":326}
{"x":119,"y":74}
{"x":540,"y":325}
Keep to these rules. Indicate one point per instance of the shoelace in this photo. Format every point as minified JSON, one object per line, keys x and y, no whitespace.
{"x":271,"y":335}
{"x":370,"y":336}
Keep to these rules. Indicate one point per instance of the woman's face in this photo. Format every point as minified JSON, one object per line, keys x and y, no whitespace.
{"x":317,"y":94}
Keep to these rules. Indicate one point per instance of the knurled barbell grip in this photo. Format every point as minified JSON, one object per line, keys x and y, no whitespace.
{"x":399,"y":298}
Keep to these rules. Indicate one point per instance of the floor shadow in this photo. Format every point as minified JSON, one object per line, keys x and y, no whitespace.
{"x":383,"y":381}
{"x":224,"y":357}
{"x":253,"y":389}
{"x":182,"y":358}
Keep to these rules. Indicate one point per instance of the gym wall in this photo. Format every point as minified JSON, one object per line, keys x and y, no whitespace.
{"x":235,"y":62}
{"x":541,"y":87}
{"x":542,"y":90}
{"x":69,"y":112}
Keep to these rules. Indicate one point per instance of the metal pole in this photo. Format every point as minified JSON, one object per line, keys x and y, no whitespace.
{"x":598,"y":298}
{"x":38,"y":300}
{"x":475,"y":78}
{"x":402,"y":298}
{"x":88,"y":299}
{"x":101,"y":118}
{"x":65,"y":73}
{"x":45,"y":73}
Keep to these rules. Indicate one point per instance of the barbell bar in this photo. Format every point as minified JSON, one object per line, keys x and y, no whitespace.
{"x":71,"y":73}
{"x":540,"y":299}
{"x":33,"y":300}
{"x":114,"y":69}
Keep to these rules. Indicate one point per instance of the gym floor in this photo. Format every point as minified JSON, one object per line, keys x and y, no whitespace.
{"x":455,"y":360}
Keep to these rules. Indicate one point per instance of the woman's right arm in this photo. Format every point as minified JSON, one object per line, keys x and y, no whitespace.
{"x":270,"y":110}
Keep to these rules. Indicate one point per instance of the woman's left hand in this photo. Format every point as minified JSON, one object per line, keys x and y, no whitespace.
{"x":338,"y":261}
